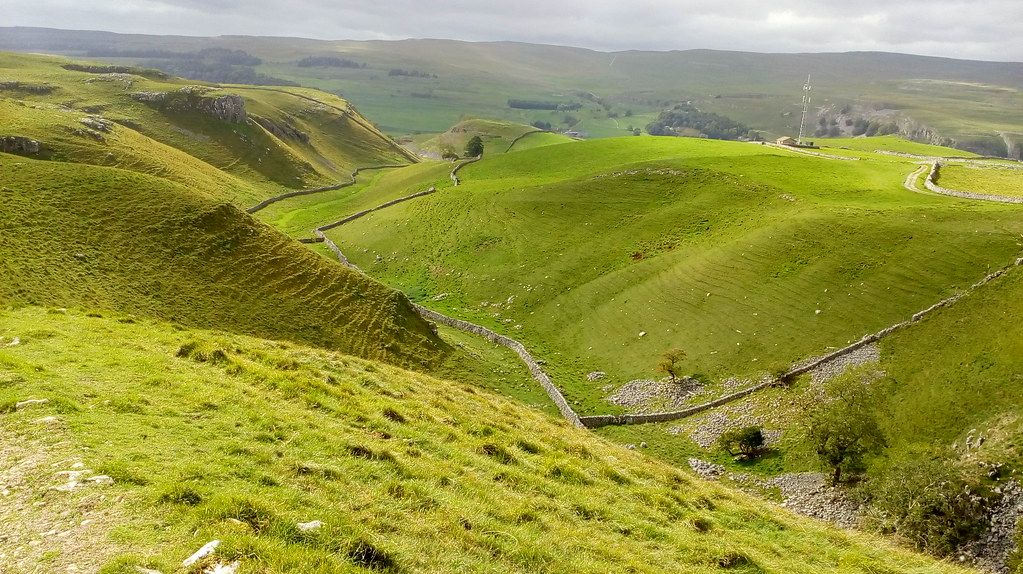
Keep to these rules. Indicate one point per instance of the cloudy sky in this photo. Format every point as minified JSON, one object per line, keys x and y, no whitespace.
{"x":978,"y":29}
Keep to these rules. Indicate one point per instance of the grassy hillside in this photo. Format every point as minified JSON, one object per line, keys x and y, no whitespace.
{"x":601,"y":255}
{"x":992,"y":179}
{"x":244,"y":143}
{"x":976,"y":103}
{"x":498,"y":137}
{"x":106,"y":238}
{"x":210,"y":436}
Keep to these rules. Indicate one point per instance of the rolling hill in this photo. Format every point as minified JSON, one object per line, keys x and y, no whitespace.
{"x":110,"y":203}
{"x":601,"y":255}
{"x":426,"y":86}
{"x":130,"y":445}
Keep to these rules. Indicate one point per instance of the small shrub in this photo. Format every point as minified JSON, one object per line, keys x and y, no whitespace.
{"x":929,"y":502}
{"x":746,"y":442}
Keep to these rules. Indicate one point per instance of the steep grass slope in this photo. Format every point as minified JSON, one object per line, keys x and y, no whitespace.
{"x":140,"y":443}
{"x":248,"y":141}
{"x":601,"y":255}
{"x":106,"y":238}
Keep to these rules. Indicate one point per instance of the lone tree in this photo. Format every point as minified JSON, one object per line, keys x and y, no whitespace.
{"x":475,"y":147}
{"x":747,"y":441}
{"x":671,"y":363}
{"x":844,"y":429}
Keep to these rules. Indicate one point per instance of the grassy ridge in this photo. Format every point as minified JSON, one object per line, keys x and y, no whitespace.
{"x":106,"y":238}
{"x":406,"y":473}
{"x":747,"y":257}
{"x":313,"y":138}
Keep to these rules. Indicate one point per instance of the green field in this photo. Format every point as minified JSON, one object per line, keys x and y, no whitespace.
{"x":498,"y":137}
{"x":977,"y":179}
{"x":747,"y":257}
{"x":213,"y":436}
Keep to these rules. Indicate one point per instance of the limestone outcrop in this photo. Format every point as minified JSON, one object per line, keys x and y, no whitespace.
{"x":227,"y":107}
{"x":19,"y":145}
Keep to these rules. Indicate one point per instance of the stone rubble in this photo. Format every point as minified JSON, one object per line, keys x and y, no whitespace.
{"x":645,"y":395}
{"x":992,"y":551}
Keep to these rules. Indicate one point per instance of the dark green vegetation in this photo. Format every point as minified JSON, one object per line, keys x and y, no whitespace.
{"x":974,"y":104}
{"x":213,"y":436}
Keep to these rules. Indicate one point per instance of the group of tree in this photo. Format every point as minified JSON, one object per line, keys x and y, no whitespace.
{"x":474,"y":147}
{"x":928,"y":496}
{"x":328,"y":62}
{"x":217,"y":72}
{"x":863,"y":127}
{"x":545,"y":126}
{"x":542,"y":105}
{"x":685,"y":116}
{"x":410,"y":73}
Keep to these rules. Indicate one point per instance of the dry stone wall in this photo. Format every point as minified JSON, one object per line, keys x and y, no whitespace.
{"x":605,"y":420}
{"x":454,"y":172}
{"x":931,"y":184}
{"x":531,"y":363}
{"x":299,"y":192}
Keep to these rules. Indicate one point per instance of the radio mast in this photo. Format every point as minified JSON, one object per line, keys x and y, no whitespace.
{"x":806,"y":105}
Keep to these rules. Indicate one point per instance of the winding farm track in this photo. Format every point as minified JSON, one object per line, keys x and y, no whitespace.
{"x":914,"y":177}
{"x":596,"y":421}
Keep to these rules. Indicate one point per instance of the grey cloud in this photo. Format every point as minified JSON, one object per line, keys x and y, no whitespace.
{"x":991,"y":29}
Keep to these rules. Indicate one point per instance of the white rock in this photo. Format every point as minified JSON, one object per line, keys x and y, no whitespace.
{"x":307,"y":526}
{"x":642,"y":333}
{"x":30,"y":402}
{"x":14,"y":342}
{"x":224,"y":568}
{"x":201,"y":553}
{"x":100,"y":479}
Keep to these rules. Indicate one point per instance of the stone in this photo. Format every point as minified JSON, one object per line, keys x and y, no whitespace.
{"x":595,"y":376}
{"x":201,"y":553}
{"x":19,"y":145}
{"x":224,"y":568}
{"x":309,"y":526}
{"x":29,"y":403}
{"x":100,"y":479}
{"x":97,"y":123}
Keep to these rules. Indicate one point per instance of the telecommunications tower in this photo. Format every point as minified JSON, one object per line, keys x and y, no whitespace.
{"x":806,"y":105}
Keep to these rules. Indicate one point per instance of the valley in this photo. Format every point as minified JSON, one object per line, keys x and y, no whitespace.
{"x":244,"y":318}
